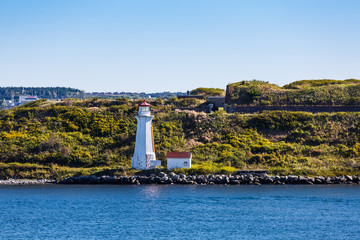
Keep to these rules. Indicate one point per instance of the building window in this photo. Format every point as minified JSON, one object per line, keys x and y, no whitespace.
{"x":185,"y":163}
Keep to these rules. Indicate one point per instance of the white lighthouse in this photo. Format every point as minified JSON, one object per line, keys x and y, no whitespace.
{"x":144,"y":154}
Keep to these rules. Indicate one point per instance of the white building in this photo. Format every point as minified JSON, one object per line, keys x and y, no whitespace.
{"x":178,"y":160}
{"x":26,"y":99}
{"x":144,"y":154}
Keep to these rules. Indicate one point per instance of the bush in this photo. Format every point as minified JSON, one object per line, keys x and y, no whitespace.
{"x":306,"y":92}
{"x":208,"y":91}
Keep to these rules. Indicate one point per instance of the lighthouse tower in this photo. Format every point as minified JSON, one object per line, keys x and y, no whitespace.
{"x":144,"y":152}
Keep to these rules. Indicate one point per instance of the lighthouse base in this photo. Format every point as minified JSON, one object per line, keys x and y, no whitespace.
{"x":141,"y":161}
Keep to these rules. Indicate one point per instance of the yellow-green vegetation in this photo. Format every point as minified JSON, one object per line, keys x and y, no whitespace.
{"x":306,"y":92}
{"x":96,"y":136}
{"x":318,"y":83}
{"x":208,"y":91}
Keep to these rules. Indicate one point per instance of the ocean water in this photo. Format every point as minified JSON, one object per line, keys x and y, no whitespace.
{"x":179,"y":212}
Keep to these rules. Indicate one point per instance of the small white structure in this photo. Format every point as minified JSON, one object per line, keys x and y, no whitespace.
{"x":144,"y":154}
{"x":155,"y":163}
{"x":26,"y":99}
{"x":178,"y":160}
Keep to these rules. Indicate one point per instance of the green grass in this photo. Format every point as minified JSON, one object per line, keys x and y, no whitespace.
{"x":96,"y":136}
{"x":306,"y":92}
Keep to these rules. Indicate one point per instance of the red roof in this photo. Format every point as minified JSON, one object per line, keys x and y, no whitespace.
{"x":178,"y":155}
{"x":144,"y":104}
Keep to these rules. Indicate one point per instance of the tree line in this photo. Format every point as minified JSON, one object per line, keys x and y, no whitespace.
{"x":42,"y":92}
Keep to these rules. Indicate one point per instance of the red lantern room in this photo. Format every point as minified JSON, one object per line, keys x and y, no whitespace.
{"x":144,"y":107}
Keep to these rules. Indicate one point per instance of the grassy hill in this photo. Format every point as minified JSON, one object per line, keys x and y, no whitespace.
{"x":58,"y":139}
{"x":306,"y":92}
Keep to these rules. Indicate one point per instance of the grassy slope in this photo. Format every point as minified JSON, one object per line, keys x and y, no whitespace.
{"x":307,"y":92}
{"x":57,"y":139}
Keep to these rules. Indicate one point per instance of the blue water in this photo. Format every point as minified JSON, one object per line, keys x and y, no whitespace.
{"x":179,"y":212}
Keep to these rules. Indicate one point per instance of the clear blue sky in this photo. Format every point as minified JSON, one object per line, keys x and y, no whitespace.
{"x":176,"y":45}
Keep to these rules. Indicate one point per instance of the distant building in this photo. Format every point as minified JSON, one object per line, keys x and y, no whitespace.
{"x":217,"y":101}
{"x":9,"y":104}
{"x":25,"y":99}
{"x":178,"y":160}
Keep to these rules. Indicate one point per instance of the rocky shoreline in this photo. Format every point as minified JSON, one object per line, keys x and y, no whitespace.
{"x":26,"y":181}
{"x":172,"y":178}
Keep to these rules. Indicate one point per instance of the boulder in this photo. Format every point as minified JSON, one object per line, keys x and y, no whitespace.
{"x":175,"y":177}
{"x":293,"y":179}
{"x":263,"y":175}
{"x":183,"y":176}
{"x":234,"y":182}
{"x":356,"y":179}
{"x":349,"y":178}
{"x":162,"y":174}
{"x":319,"y":180}
{"x":342,"y":179}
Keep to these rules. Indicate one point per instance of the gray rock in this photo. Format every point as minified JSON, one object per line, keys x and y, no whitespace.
{"x":183,"y":176}
{"x":319,"y":180}
{"x":283,"y":179}
{"x":349,"y":178}
{"x":234,"y":182}
{"x":175,"y":177}
{"x":342,"y":179}
{"x":263,"y":175}
{"x":356,"y":179}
